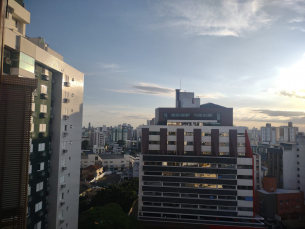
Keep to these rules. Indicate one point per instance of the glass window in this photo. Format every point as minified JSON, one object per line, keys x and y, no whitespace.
{"x":206,"y":143}
{"x":190,"y":153}
{"x":188,"y":164}
{"x":41,"y":146}
{"x":171,"y":174}
{"x":186,"y":143}
{"x":26,"y":62}
{"x":33,"y":106}
{"x":154,"y":142}
{"x":44,"y":89}
{"x":188,"y":133}
{"x":38,"y":206}
{"x":40,"y":166}
{"x":206,"y":153}
{"x":43,"y":108}
{"x":170,"y":163}
{"x":223,"y":143}
{"x":171,"y":152}
{"x":39,"y":186}
{"x":171,"y":143}
{"x":171,"y":133}
{"x":42,"y":127}
{"x":154,"y":133}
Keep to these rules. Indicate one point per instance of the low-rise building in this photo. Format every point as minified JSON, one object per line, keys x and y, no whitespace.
{"x":98,"y":149}
{"x":90,"y":159}
{"x":114,"y":162}
{"x":273,"y":203}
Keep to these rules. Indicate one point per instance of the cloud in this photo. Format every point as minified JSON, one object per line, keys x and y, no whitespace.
{"x":108,"y":66}
{"x":290,"y":94}
{"x":281,"y":113}
{"x":147,"y":89}
{"x":298,"y":28}
{"x":212,"y":96}
{"x":214,"y":17}
{"x":296,"y":20}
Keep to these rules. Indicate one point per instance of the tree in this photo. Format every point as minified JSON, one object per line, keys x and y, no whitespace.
{"x":110,"y":216}
{"x":85,"y":144}
{"x":121,"y":142}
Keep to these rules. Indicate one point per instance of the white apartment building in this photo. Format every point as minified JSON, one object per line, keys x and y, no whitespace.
{"x":56,"y":138}
{"x":273,"y":135}
{"x":90,"y":159}
{"x":114,"y":162}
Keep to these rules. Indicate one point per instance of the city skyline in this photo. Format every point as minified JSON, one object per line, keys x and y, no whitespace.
{"x":250,"y":58}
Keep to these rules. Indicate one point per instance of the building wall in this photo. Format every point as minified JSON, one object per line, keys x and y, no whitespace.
{"x":195,"y":187}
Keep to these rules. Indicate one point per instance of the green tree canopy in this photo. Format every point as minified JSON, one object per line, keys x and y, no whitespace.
{"x":85,"y":144}
{"x":110,"y":216}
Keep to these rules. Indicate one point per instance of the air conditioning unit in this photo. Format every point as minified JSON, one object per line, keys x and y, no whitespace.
{"x":62,"y":202}
{"x":62,"y":220}
{"x":64,"y":168}
{"x":7,"y":60}
{"x":66,"y":100}
{"x":63,"y":185}
{"x":66,"y":117}
{"x":65,"y":134}
{"x":43,"y":115}
{"x":67,"y":84}
{"x":65,"y":151}
{"x":45,"y":77}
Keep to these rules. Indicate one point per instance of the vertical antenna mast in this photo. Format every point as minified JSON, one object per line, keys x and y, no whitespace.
{"x":180,"y":84}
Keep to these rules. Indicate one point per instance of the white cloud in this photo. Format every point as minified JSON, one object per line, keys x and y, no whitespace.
{"x":212,"y":96}
{"x":147,"y":89}
{"x":214,"y":17}
{"x":108,"y":66}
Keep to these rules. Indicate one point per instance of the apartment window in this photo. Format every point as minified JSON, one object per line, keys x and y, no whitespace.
{"x":188,"y":133}
{"x":171,"y":152}
{"x":42,"y":127}
{"x":30,"y":169}
{"x":62,"y":179}
{"x":44,"y":89}
{"x":154,"y":133}
{"x":32,"y":127}
{"x":62,"y":196}
{"x":63,"y":161}
{"x":43,"y":108}
{"x":66,"y":94}
{"x":66,"y":111}
{"x":39,"y":186}
{"x":40,"y":166}
{"x":61,"y":214}
{"x":41,"y":146}
{"x":154,"y":142}
{"x":65,"y":127}
{"x":206,"y":134}
{"x":31,"y":149}
{"x":171,"y":133}
{"x":29,"y":190}
{"x":38,"y":225}
{"x":190,"y":153}
{"x":206,"y":143}
{"x":171,"y":142}
{"x":33,"y":106}
{"x":223,"y":143}
{"x":16,"y":23}
{"x":205,"y":153}
{"x":64,"y":145}
{"x":38,"y":206}
{"x":188,"y":143}
{"x":66,"y":78}
{"x":111,"y":161}
{"x":241,"y":145}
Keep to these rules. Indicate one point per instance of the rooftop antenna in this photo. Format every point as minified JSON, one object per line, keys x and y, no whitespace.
{"x":180,"y":84}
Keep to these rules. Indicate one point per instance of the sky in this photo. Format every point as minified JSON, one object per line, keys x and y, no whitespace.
{"x":246,"y":54}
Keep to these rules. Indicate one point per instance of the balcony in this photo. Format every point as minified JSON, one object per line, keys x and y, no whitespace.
{"x":45,"y":77}
{"x":44,"y":96}
{"x":43,"y":154}
{"x":39,"y":213}
{"x":65,"y":117}
{"x":67,"y":84}
{"x":43,"y":115}
{"x":41,"y":193}
{"x":66,"y":100}
{"x":42,"y":134}
{"x":41,"y":173}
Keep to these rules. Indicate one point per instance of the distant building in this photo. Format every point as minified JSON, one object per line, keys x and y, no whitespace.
{"x":257,"y":171}
{"x":132,"y":144}
{"x":286,"y":163}
{"x":114,"y":162}
{"x":98,"y":149}
{"x":90,"y":159}
{"x":283,"y":134}
{"x":273,"y":203}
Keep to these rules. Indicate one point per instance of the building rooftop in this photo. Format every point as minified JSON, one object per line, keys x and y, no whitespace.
{"x":280,"y":191}
{"x":92,"y":167}
{"x":111,"y":156}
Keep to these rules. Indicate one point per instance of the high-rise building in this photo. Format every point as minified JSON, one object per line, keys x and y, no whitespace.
{"x":286,"y":163}
{"x":56,"y":123}
{"x":15,"y":116}
{"x":272,"y":135}
{"x":196,"y":168}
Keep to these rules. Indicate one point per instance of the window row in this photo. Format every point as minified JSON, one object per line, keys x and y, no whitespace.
{"x":190,"y":143}
{"x":223,"y":134}
{"x":190,"y":206}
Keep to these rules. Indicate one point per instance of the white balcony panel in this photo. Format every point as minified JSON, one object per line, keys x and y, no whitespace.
{"x":189,"y":138}
{"x":244,"y":161}
{"x":188,"y":148}
{"x":206,"y":148}
{"x":244,"y":213}
{"x":22,"y":72}
{"x":154,"y":147}
{"x":243,"y":203}
{"x":241,"y":139}
{"x":206,"y":139}
{"x":247,"y":172}
{"x":154,"y":137}
{"x":224,"y":149}
{"x":171,"y":138}
{"x":223,"y":139}
{"x":172,"y":147}
{"x":244,"y":193}
{"x":241,"y":150}
{"x":245,"y":182}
